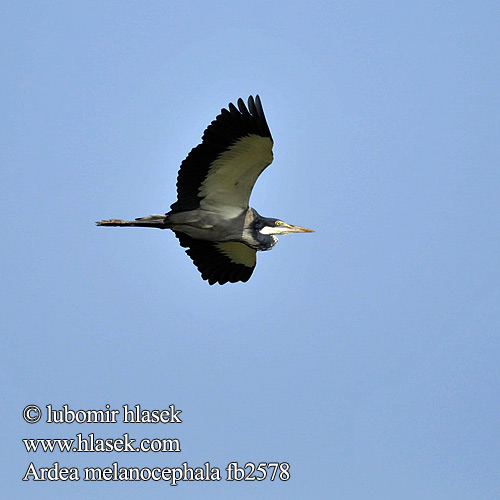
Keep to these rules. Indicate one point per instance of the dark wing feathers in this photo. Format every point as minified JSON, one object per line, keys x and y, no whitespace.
{"x":229,"y":126}
{"x":215,"y":261}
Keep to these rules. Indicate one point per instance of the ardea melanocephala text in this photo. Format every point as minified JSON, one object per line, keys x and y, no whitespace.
{"x":211,"y":217}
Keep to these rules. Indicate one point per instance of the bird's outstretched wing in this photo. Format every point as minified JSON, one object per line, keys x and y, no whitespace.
{"x":219,"y":174}
{"x":220,"y":262}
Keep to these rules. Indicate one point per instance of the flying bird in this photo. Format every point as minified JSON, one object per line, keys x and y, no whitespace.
{"x":212,"y":217}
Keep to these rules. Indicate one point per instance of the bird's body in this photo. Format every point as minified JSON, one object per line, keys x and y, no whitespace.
{"x":211,"y":216}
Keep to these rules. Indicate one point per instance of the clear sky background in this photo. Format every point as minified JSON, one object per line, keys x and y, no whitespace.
{"x":366,"y":355}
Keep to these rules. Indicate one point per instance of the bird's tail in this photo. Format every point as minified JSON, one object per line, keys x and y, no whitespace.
{"x":158,"y":221}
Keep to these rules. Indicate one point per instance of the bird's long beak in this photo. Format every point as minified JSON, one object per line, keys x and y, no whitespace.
{"x":290,"y":228}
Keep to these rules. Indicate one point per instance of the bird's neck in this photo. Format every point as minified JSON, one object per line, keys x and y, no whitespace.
{"x":266,"y":241}
{"x":253,"y":237}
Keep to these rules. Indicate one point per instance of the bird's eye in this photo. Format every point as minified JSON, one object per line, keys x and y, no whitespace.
{"x":279,"y":223}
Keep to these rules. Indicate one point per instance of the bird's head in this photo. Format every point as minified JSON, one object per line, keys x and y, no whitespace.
{"x":277,"y":227}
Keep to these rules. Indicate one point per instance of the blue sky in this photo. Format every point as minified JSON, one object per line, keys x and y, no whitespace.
{"x":366,"y":354}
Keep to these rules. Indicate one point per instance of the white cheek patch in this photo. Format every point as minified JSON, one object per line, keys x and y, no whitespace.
{"x":268,"y":230}
{"x":275,"y":230}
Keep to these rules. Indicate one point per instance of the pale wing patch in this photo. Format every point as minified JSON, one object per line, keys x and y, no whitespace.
{"x":238,"y":253}
{"x":233,"y":174}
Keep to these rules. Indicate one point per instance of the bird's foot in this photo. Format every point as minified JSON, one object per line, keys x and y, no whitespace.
{"x":110,"y":222}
